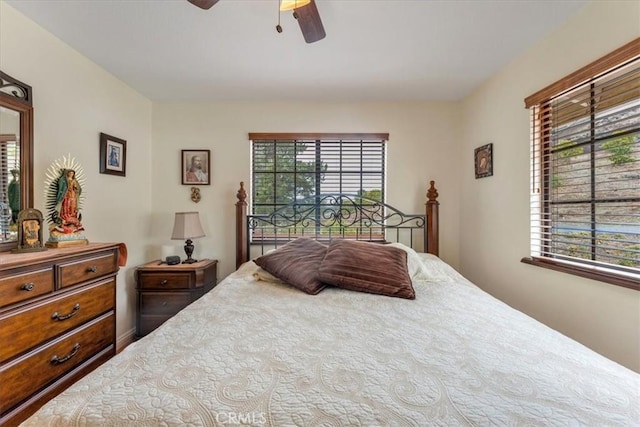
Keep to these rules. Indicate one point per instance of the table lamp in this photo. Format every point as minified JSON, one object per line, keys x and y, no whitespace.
{"x":187,"y":226}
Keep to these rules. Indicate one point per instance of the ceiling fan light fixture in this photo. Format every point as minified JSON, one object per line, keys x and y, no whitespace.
{"x":292,"y":4}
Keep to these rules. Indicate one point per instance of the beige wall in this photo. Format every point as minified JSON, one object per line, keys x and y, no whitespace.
{"x":75,"y":100}
{"x":423,"y":146}
{"x":494,"y":226}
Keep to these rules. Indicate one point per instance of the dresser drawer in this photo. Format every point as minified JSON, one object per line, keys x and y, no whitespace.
{"x":28,"y":327}
{"x":159,"y":280}
{"x":163,"y":303}
{"x":26,"y":285}
{"x":45,"y":364}
{"x":81,"y":270}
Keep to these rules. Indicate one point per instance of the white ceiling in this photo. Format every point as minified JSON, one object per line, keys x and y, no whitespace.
{"x":375,"y":50}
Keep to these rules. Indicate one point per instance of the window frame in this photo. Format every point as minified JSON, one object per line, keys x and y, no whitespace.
{"x":623,"y":55}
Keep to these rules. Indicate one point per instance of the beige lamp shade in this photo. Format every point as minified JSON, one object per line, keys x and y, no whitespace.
{"x":292,"y":4}
{"x":187,"y":226}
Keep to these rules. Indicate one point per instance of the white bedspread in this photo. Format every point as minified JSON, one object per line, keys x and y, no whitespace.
{"x":258,"y":353}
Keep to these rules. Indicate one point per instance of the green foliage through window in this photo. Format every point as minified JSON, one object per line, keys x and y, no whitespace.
{"x":621,"y":149}
{"x":285,"y":171}
{"x":564,"y":151}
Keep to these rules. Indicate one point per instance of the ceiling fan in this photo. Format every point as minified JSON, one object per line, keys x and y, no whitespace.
{"x":305,"y":12}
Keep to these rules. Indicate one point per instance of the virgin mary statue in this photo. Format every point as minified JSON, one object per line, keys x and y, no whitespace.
{"x":67,"y":216}
{"x":64,"y":215}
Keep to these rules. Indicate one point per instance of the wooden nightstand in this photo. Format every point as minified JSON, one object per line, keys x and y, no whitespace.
{"x":163,"y":290}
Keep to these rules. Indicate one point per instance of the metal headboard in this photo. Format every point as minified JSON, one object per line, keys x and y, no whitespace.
{"x":335,"y":216}
{"x":331,"y":216}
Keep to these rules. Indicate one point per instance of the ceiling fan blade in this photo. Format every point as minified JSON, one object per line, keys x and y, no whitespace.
{"x":310,"y":22}
{"x":203,"y":4}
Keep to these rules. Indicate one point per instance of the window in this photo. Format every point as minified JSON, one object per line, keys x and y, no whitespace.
{"x":9,"y":186}
{"x":585,"y":204}
{"x":288,"y":167}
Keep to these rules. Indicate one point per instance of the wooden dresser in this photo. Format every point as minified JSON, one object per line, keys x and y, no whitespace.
{"x":57,"y":322}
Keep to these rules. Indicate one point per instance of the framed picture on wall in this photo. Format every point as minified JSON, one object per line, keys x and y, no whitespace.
{"x":196,"y":167}
{"x":113,"y":155}
{"x":483,"y":159}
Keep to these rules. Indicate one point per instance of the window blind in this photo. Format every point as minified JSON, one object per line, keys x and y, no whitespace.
{"x":8,"y":161}
{"x":286,"y":170}
{"x":4,"y":172}
{"x":585,"y":204}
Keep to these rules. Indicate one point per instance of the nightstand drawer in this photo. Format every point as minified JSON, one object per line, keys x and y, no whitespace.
{"x":155,"y":280}
{"x":30,"y":327}
{"x":25,"y":286}
{"x":53,"y":360}
{"x":87,"y":269}
{"x":163,"y":303}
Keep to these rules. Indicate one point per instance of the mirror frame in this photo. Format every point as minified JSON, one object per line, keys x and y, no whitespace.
{"x":18,"y":96}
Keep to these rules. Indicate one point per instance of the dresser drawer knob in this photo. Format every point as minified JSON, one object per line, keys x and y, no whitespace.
{"x":92,"y":269}
{"x":164,"y":282}
{"x":59,"y":317}
{"x":59,"y":360}
{"x":27,"y":287}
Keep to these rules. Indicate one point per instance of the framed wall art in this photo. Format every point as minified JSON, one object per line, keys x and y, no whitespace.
{"x":196,"y":167}
{"x":483,"y":160}
{"x":113,"y":155}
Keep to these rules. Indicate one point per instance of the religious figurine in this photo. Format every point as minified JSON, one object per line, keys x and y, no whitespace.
{"x":30,"y":235}
{"x":65,"y":215}
{"x":64,"y":182}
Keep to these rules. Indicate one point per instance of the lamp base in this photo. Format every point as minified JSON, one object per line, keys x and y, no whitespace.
{"x":188,"y":249}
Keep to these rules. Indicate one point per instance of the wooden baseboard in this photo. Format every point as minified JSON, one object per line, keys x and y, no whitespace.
{"x":125,"y":339}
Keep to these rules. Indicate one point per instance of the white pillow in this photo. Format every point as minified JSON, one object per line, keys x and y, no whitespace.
{"x":263,"y":275}
{"x":426,"y":269}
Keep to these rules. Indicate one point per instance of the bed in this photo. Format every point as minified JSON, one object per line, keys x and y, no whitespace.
{"x":257,"y":351}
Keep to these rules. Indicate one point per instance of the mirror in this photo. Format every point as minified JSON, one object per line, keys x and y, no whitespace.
{"x":16,"y":156}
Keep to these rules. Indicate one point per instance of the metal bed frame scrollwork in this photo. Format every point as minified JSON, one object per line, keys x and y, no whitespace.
{"x":325,"y":217}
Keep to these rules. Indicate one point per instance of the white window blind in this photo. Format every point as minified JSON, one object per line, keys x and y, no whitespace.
{"x":8,"y":161}
{"x":4,"y":171}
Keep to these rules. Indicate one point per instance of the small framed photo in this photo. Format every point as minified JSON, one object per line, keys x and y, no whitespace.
{"x":113,"y":155}
{"x":30,"y":231}
{"x":483,"y":159}
{"x":196,"y":167}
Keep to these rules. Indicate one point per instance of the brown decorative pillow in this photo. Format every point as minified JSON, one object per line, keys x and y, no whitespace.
{"x":296,"y":263}
{"x":367,"y":267}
